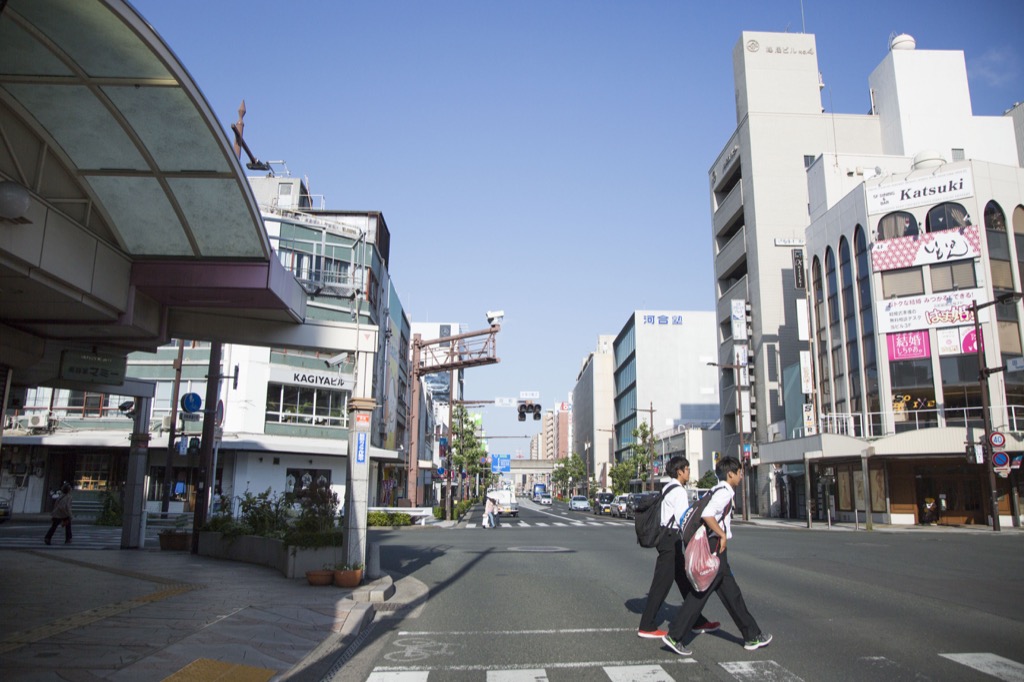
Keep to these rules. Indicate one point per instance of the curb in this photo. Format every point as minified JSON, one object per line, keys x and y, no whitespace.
{"x":378,"y":591}
{"x":318,"y":662}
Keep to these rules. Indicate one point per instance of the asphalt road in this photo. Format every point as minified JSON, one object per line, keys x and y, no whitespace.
{"x":557,"y":596}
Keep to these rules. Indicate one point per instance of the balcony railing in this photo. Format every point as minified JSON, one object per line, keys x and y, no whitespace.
{"x":872,"y":425}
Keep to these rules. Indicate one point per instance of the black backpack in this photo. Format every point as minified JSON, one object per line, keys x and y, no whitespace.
{"x":647,"y":519}
{"x":694,"y":515}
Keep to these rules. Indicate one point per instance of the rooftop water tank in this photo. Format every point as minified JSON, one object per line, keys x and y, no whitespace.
{"x":928,"y":158}
{"x":903,"y":41}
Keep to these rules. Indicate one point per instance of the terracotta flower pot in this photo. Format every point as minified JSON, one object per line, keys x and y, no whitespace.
{"x":320,"y":577}
{"x":350,"y":578}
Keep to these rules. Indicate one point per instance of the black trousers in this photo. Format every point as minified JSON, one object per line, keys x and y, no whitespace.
{"x":729,"y":592}
{"x":53,"y":529}
{"x":668,"y":568}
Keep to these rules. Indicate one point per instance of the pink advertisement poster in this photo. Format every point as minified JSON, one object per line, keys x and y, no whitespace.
{"x":908,"y":345}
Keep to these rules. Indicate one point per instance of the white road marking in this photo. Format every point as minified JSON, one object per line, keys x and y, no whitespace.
{"x":990,"y":664}
{"x":489,"y":633}
{"x":637,"y":673}
{"x":763,"y":671}
{"x":541,"y":525}
{"x":399,"y":676}
{"x":535,"y":666}
{"x":529,"y":675}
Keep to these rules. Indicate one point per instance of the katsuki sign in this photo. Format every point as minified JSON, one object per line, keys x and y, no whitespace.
{"x":933,"y":189}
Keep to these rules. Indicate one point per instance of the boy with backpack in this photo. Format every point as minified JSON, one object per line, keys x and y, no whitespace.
{"x":670,"y":565}
{"x":730,"y":475}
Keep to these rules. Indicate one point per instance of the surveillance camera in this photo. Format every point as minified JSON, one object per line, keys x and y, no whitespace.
{"x":336,"y":360}
{"x":495,"y":316}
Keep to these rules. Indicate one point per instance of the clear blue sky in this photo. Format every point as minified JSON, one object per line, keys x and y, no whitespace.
{"x":544,"y":157}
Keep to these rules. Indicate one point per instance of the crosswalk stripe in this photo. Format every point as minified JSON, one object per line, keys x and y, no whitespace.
{"x":990,"y":664}
{"x":637,"y":673}
{"x":541,"y":525}
{"x":759,"y":670}
{"x":399,"y":676}
{"x":532,"y":675}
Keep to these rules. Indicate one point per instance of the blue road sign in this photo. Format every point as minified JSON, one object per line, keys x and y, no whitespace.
{"x":361,"y":448}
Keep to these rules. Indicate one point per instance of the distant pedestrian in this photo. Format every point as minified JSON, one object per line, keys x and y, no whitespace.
{"x":730,"y":475}
{"x":490,"y":510}
{"x":670,"y":565}
{"x":61,"y":515}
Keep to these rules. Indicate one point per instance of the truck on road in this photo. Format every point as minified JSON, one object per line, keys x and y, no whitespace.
{"x":506,"y":501}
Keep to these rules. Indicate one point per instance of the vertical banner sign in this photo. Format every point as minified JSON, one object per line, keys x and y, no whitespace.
{"x":806,"y":373}
{"x":739,"y":319}
{"x":798,"y":269}
{"x":360,"y":448}
{"x":809,"y":428}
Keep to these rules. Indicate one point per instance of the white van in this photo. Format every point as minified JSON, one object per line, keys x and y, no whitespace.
{"x":507,"y":503}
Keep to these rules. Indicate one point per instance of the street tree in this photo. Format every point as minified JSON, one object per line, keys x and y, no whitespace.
{"x":642,"y":449}
{"x":467,"y":450}
{"x":621,"y":474}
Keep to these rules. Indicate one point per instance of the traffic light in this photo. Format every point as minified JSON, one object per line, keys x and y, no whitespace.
{"x":526,"y":408}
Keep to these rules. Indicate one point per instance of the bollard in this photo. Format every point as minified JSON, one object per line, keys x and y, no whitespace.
{"x":372,"y":561}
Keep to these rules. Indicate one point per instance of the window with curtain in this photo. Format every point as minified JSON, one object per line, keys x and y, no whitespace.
{"x":897,"y":224}
{"x":946,"y":216}
{"x":906,"y":282}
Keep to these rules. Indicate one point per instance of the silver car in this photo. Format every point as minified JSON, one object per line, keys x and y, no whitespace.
{"x":579,"y":503}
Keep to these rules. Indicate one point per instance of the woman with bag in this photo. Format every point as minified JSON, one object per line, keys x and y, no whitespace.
{"x":61,"y":515}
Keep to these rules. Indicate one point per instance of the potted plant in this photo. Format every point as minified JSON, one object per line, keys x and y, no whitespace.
{"x":321,"y":577}
{"x":346,"y":575}
{"x":177,"y":538}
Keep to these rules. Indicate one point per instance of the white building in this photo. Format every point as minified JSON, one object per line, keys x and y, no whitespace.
{"x":592,"y":414}
{"x":662,"y":375}
{"x":873,"y":398}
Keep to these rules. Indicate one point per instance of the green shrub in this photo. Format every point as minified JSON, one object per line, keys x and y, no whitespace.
{"x":265,"y":513}
{"x":309,"y":539}
{"x":319,"y":507}
{"x":382,"y":518}
{"x":112,"y":512}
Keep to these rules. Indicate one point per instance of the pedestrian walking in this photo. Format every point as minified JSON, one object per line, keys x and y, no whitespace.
{"x":61,"y":516}
{"x":730,"y":475}
{"x":670,"y":565}
{"x":489,"y":509}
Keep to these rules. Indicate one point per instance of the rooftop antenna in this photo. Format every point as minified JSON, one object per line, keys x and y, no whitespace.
{"x":803,"y":24}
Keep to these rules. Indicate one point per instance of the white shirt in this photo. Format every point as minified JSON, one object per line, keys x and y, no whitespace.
{"x":721,"y":495}
{"x":674,"y":503}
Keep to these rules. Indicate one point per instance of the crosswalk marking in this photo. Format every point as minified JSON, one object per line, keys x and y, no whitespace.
{"x":401,"y":676}
{"x":990,"y":664}
{"x":659,"y":670}
{"x":759,"y":670}
{"x":637,"y":673}
{"x":533,"y":675}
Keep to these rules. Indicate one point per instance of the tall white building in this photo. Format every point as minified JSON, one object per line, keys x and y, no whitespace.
{"x":662,"y":375}
{"x":865,"y":397}
{"x":593,"y":410}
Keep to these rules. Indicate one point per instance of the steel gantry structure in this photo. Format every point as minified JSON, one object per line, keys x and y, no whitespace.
{"x":432,"y":356}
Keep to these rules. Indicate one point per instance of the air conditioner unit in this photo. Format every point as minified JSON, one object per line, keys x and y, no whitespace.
{"x":38,"y":421}
{"x":165,"y":422}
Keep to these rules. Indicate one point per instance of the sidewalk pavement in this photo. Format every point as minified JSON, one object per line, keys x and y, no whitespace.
{"x":145,"y":615}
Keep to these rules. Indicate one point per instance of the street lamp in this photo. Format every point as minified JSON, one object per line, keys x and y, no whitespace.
{"x":586,"y":463}
{"x":983,"y":374}
{"x":739,"y":427}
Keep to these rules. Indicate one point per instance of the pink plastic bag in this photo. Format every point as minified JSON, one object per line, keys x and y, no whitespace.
{"x":701,"y":564}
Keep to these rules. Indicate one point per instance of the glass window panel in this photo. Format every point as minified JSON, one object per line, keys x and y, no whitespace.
{"x":1009,"y":337}
{"x":947,"y":216}
{"x":1002,"y":275}
{"x":897,"y":224}
{"x":995,"y":219}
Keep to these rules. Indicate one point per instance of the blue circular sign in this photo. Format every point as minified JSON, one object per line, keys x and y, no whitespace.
{"x":440,"y":471}
{"x":1000,"y":459}
{"x":191,"y":402}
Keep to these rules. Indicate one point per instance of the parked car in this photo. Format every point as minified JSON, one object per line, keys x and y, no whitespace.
{"x":603,"y":503}
{"x":619,"y":506}
{"x":632,"y":501}
{"x":545,"y":498}
{"x":579,"y":503}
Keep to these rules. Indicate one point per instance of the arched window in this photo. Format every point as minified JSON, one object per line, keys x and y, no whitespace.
{"x":897,"y":224}
{"x":821,"y":339}
{"x":995,"y":219}
{"x":947,"y":216}
{"x":869,"y":391}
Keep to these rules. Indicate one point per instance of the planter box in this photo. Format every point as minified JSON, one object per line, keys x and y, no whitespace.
{"x":292,"y":562}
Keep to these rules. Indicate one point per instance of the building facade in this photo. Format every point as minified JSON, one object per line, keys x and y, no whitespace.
{"x":662,"y":375}
{"x":282,"y":412}
{"x":593,"y":404}
{"x":857,"y":245}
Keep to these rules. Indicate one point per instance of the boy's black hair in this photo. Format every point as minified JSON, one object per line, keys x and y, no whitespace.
{"x":675,"y":465}
{"x":725,"y":466}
